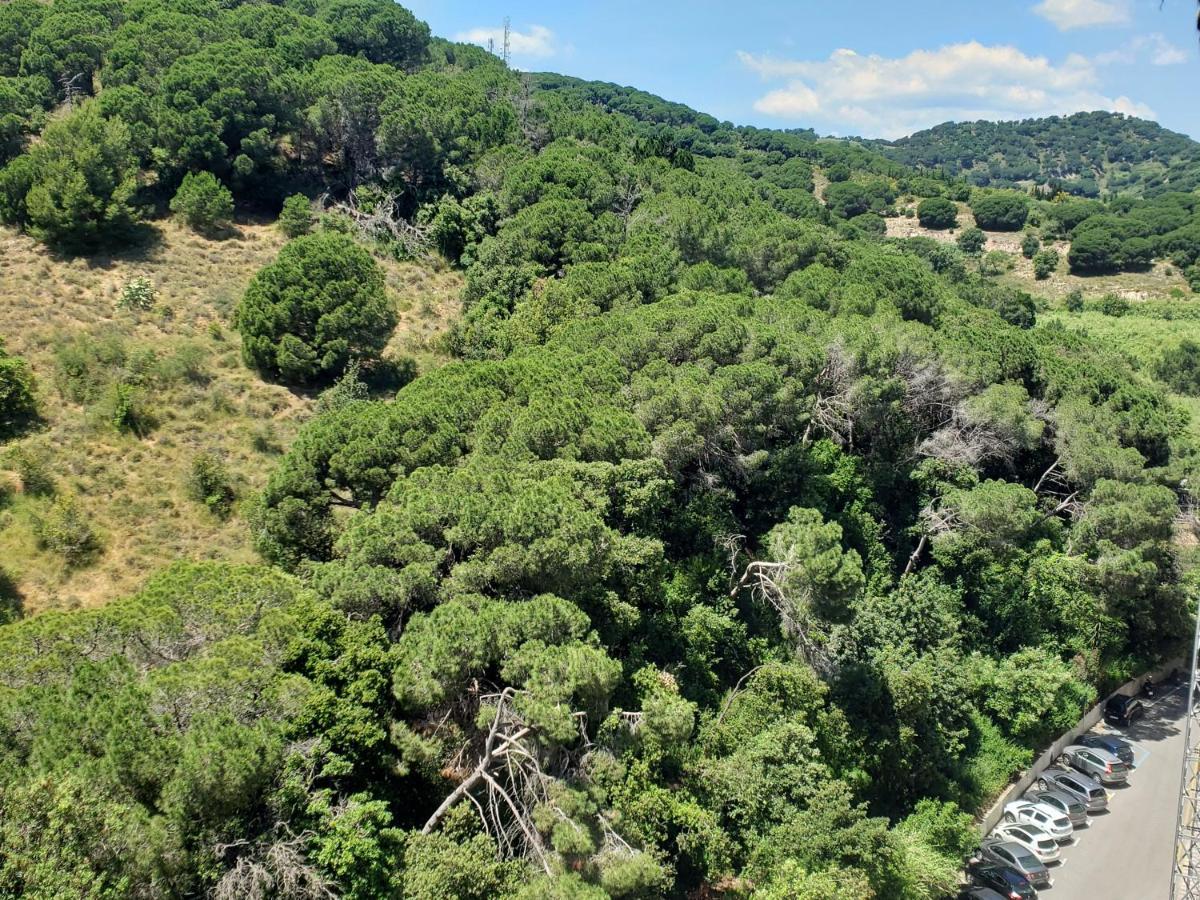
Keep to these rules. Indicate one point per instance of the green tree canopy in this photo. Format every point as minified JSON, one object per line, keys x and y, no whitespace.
{"x":321,"y":305}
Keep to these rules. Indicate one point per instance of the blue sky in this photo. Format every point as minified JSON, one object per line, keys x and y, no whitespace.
{"x":877,"y":68}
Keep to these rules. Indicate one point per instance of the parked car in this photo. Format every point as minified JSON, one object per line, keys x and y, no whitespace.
{"x":1012,"y":854}
{"x":980,"y":893}
{"x":1007,"y":881}
{"x":1100,"y":764}
{"x":1123,"y":710}
{"x":1038,"y":842}
{"x":1080,"y":786}
{"x":1110,"y":742}
{"x":1053,"y":821}
{"x":1074,"y":809}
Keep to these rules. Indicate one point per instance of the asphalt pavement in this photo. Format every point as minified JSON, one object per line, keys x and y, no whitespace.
{"x":1127,"y":853}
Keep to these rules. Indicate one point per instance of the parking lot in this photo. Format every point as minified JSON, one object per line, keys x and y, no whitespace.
{"x":1126,"y":853}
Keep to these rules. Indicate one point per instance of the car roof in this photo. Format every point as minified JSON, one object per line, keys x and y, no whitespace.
{"x":1100,"y":751}
{"x":1059,"y":795}
{"x":1085,"y":780}
{"x":1109,"y":740}
{"x":998,"y":842}
{"x":984,"y":893}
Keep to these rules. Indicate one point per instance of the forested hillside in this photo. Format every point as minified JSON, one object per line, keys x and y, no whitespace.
{"x":720,"y":547}
{"x":1087,"y":154}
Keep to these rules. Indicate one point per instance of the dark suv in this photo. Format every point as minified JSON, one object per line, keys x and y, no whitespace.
{"x":1123,"y":709}
{"x":1004,"y":880}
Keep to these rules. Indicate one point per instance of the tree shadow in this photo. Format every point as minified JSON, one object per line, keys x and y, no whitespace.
{"x":138,"y":243}
{"x":12,"y":601}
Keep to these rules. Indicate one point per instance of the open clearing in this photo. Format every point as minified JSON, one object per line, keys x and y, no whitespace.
{"x":132,"y":489}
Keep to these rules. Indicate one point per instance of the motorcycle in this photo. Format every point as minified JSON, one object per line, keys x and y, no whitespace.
{"x":1149,"y":689}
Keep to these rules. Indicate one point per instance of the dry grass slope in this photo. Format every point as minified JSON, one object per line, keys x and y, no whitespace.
{"x":132,"y":489}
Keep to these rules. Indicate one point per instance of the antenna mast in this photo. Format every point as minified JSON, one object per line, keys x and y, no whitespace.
{"x":1185,"y":876}
{"x":506,"y":52}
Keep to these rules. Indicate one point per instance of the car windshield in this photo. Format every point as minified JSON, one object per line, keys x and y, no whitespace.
{"x":1028,"y":861}
{"x":1096,"y":793}
{"x":1061,"y":823}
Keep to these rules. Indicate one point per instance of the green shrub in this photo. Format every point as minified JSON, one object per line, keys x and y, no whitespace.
{"x":319,"y":307}
{"x":209,"y":483}
{"x":203,"y":202}
{"x":138,"y":294}
{"x":84,"y":365}
{"x":1030,"y":244}
{"x":128,"y":410}
{"x":1045,"y":264}
{"x":296,"y":218}
{"x":1075,"y":301}
{"x":1179,"y":367}
{"x":66,"y":531}
{"x":1001,"y":212}
{"x":17,"y":405}
{"x":188,"y":363}
{"x":1113,"y":305}
{"x":937,"y":212}
{"x":971,"y":241}
{"x":33,"y":470}
{"x":996,"y":262}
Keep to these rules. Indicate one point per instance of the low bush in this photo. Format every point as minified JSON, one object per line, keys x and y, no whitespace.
{"x":203,"y":202}
{"x":209,"y":484}
{"x":65,"y":531}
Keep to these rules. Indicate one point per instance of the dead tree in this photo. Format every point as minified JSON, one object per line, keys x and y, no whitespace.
{"x":71,"y":88}
{"x":766,"y":582}
{"x":937,"y":520}
{"x":515,"y":776}
{"x":380,"y":222}
{"x":832,"y":405}
{"x":276,"y":868}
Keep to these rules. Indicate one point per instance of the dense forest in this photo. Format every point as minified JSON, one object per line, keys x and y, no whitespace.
{"x":1086,"y":154}
{"x":738,"y":551}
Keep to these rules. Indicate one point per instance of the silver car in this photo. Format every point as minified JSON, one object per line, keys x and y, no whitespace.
{"x":1010,"y":853}
{"x":1084,"y":789}
{"x":1074,"y":809}
{"x":1052,"y":821}
{"x":1105,"y":767}
{"x":1038,"y":842}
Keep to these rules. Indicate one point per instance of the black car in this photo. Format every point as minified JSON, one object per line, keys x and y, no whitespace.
{"x":1110,"y":742}
{"x":980,"y":893}
{"x":1004,"y":880}
{"x":1123,"y":709}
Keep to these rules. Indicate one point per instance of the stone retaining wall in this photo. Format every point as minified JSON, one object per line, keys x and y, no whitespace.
{"x":991,"y":818}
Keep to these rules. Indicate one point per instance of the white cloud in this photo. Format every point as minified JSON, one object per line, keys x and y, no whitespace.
{"x":890,"y":97}
{"x":1068,"y":14}
{"x":539,"y":41}
{"x":1152,"y":48}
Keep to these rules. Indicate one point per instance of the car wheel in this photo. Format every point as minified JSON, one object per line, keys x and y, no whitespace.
{"x":1010,"y":818}
{"x":1042,"y":785}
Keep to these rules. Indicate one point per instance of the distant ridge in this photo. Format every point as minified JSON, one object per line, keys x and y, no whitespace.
{"x":1089,"y":154}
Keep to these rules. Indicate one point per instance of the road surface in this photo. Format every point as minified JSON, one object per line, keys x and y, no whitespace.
{"x":1127,"y":853}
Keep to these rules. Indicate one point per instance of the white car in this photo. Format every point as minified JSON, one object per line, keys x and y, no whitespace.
{"x":1052,"y":821}
{"x":1038,"y":842}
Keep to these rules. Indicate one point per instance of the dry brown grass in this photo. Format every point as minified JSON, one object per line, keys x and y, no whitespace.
{"x":134,"y":489}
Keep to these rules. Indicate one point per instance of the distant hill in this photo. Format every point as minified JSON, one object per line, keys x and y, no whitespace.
{"x":1086,"y":153}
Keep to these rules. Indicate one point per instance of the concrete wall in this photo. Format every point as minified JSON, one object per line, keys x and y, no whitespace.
{"x":991,"y":818}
